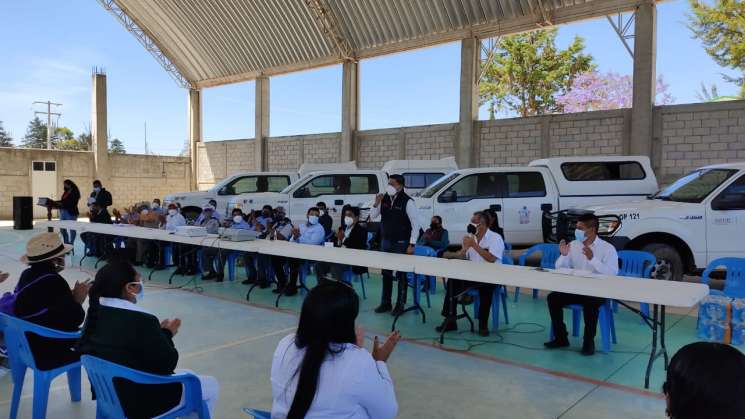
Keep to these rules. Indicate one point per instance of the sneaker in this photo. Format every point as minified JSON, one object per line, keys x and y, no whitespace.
{"x":383,"y":308}
{"x":398,"y":310}
{"x":447,"y":326}
{"x":557,"y":343}
{"x":588,"y":348}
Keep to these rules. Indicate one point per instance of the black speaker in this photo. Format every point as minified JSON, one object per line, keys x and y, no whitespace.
{"x":23,"y":213}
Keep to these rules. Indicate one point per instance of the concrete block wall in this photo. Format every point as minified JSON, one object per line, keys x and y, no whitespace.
{"x":375,"y":147}
{"x":689,"y":136}
{"x":133,"y":177}
{"x":589,"y":133}
{"x":321,"y":148}
{"x":219,"y":159}
{"x":285,"y":153}
{"x":136,"y":178}
{"x":508,"y":142}
{"x":430,"y":142}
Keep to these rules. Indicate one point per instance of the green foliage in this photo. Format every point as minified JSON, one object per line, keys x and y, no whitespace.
{"x":5,"y":139}
{"x":36,"y":135}
{"x":707,"y":94}
{"x":528,"y":72}
{"x":116,"y":146}
{"x":721,"y":28}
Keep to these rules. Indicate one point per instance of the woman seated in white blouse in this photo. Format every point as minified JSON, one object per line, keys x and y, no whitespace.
{"x":323,"y":371}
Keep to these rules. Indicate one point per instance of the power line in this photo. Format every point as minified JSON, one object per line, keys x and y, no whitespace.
{"x":49,"y":114}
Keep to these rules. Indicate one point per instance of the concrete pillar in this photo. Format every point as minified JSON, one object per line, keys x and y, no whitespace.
{"x":194,"y":115}
{"x":262,"y":123}
{"x":645,"y":63}
{"x":350,"y":110}
{"x":469,"y":101}
{"x":99,"y":129}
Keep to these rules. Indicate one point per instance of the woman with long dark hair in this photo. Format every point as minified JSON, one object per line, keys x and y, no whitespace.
{"x":323,"y":370}
{"x":119,"y":330}
{"x":68,"y":208}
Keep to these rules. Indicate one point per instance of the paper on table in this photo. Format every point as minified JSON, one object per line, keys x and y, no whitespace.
{"x":579,"y":272}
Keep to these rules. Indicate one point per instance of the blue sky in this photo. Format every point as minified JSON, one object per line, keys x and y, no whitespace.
{"x":49,"y":48}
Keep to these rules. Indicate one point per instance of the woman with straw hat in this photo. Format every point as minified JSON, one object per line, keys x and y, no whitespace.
{"x":47,"y":300}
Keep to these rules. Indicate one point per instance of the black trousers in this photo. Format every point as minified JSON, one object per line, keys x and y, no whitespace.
{"x":456,"y":287}
{"x":278,"y":263}
{"x":400,"y":248}
{"x":590,"y":311}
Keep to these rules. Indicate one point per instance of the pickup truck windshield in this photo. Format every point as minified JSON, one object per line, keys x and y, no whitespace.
{"x":695,"y":186}
{"x":435,"y":187}
{"x":297,"y":182}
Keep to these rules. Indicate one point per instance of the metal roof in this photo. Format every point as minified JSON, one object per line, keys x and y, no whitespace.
{"x":212,"y":42}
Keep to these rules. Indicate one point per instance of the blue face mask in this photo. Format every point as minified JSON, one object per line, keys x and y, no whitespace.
{"x":313,"y":219}
{"x":97,"y":190}
{"x":579,"y":235}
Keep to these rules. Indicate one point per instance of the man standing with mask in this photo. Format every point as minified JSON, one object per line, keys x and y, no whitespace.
{"x":400,"y":231}
{"x":100,"y":196}
{"x":587,"y":252}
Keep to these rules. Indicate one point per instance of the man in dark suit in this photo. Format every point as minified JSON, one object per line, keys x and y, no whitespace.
{"x":100,"y":196}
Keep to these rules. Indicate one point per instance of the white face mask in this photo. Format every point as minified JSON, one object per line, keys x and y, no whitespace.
{"x":144,"y":212}
{"x":156,"y":205}
{"x":237,"y":219}
{"x":390,"y":190}
{"x":348,"y":221}
{"x":59,"y":264}
{"x":172,"y":212}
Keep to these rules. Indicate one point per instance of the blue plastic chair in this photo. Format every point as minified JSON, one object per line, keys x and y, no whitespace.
{"x":417,"y":281}
{"x":21,"y":358}
{"x":605,"y":322}
{"x":258,"y":414}
{"x":549,"y":254}
{"x":102,"y":373}
{"x":499,"y":296}
{"x":734,"y":283}
{"x":636,"y":264}
{"x":350,"y":277}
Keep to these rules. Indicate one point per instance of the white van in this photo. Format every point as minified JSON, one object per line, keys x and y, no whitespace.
{"x":698,"y":218}
{"x":520,"y":195}
{"x":239,"y":183}
{"x":418,"y":174}
{"x":336,"y":188}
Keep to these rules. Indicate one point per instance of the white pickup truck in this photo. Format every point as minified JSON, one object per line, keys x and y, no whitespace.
{"x":698,"y":218}
{"x":239,"y":183}
{"x":336,"y":188}
{"x":520,"y":195}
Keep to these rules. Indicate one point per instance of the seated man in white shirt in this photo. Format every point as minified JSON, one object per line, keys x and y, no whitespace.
{"x":589,"y":253}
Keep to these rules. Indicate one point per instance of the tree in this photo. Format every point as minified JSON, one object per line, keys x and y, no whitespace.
{"x":66,"y":140}
{"x":5,"y":139}
{"x":527,"y":72}
{"x":593,"y":91}
{"x":721,"y":28}
{"x":86,"y":140}
{"x":116,"y":146}
{"x":36,"y":135}
{"x":707,"y":94}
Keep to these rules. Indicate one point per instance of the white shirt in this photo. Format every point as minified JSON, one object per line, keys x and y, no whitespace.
{"x":604,"y":258}
{"x":351,"y":384}
{"x":121,"y":303}
{"x":173,"y":221}
{"x":492,"y":242}
{"x":411,"y":212}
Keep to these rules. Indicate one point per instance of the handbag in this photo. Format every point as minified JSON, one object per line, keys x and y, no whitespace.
{"x":8,"y":299}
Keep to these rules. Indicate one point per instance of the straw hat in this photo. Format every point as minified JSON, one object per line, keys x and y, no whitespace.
{"x":44,"y":246}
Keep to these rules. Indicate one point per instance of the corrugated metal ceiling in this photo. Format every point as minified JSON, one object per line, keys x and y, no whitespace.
{"x":214,"y":42}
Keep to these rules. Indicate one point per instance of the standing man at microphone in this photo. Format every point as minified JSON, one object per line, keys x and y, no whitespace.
{"x":399,"y":222}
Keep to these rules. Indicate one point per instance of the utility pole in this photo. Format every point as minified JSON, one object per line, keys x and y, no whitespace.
{"x":49,"y":114}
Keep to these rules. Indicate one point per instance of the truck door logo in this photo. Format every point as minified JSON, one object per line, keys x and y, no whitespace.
{"x":720,"y":221}
{"x":524,"y":215}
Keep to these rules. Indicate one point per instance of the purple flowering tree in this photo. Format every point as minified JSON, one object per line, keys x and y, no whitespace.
{"x":593,"y":91}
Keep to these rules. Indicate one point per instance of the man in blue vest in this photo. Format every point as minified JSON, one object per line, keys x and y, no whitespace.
{"x":399,"y":226}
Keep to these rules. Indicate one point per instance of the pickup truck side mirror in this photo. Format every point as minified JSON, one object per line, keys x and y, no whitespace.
{"x":301,"y":193}
{"x":223,"y":191}
{"x":448,"y":196}
{"x":728,"y":202}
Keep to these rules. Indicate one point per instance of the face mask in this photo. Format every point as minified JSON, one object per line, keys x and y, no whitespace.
{"x":59,"y":264}
{"x":141,"y":293}
{"x":579,"y":235}
{"x":96,"y":190}
{"x":144,"y":212}
{"x":348,"y":221}
{"x":313,"y":219}
{"x":172,"y":212}
{"x":156,"y":205}
{"x":237,"y":219}
{"x":390,"y":190}
{"x":472,"y":228}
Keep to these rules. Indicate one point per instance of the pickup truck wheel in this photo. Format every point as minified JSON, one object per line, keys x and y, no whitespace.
{"x":669,"y":266}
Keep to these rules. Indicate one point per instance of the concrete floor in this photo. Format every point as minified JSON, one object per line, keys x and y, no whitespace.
{"x":233,"y":341}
